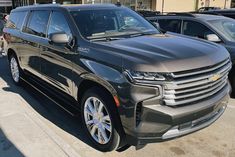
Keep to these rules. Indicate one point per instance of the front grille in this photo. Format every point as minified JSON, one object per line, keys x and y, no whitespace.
{"x":197,"y":84}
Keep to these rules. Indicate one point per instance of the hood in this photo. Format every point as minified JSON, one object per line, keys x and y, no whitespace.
{"x":166,"y":53}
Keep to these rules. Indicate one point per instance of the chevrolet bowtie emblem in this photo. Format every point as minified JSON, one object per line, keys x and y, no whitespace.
{"x":214,"y":77}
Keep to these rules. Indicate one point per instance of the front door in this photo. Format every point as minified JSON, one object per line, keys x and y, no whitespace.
{"x":56,"y":59}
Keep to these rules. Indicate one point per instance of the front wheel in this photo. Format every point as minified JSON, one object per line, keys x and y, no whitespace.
{"x":100,"y":120}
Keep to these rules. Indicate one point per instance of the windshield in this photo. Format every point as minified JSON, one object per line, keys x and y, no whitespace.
{"x":94,"y":24}
{"x":226,"y":28}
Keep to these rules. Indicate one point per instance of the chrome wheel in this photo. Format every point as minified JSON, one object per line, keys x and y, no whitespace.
{"x":97,"y":120}
{"x":14,"y":69}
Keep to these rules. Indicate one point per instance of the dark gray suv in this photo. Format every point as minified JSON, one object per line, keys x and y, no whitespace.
{"x":132,"y":84}
{"x":218,"y":29}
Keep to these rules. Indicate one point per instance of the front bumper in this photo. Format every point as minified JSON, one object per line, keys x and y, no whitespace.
{"x":160,"y":123}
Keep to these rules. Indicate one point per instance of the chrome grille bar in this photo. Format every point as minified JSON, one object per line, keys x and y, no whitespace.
{"x":195,"y":79}
{"x":195,"y":93}
{"x":203,"y":86}
{"x":227,"y":61}
{"x":189,"y":87}
{"x":173,"y":102}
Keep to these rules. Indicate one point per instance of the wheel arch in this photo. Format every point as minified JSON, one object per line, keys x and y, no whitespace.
{"x":10,"y":52}
{"x":89,"y":81}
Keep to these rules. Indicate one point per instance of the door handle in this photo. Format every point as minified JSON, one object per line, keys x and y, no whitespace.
{"x":43,"y":48}
{"x":26,"y":42}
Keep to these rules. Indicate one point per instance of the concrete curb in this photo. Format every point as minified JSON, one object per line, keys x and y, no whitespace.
{"x":66,"y":148}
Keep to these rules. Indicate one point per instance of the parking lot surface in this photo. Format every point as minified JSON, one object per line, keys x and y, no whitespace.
{"x":32,"y":125}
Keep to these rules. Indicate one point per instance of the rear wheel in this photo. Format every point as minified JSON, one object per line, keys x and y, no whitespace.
{"x":100,"y":120}
{"x":15,"y":70}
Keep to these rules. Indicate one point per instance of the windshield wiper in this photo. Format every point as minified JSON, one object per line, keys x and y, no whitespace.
{"x":105,"y":39}
{"x":119,"y":36}
{"x":141,"y":34}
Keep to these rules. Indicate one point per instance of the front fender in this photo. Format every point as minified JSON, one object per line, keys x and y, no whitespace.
{"x":106,"y":76}
{"x":100,"y":81}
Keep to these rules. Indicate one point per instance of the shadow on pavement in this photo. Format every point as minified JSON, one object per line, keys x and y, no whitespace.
{"x":7,"y":148}
{"x":43,"y":105}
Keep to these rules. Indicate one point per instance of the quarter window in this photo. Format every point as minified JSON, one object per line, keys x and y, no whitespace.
{"x":171,"y":25}
{"x":37,"y":23}
{"x":196,"y":29}
{"x":16,"y":20}
{"x":58,"y":24}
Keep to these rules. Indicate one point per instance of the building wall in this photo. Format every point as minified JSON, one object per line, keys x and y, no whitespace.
{"x":159,"y":5}
{"x":5,"y":3}
{"x":233,"y":4}
{"x":31,"y":2}
{"x":215,"y":3}
{"x":175,"y":5}
{"x":188,"y":5}
{"x":5,"y":6}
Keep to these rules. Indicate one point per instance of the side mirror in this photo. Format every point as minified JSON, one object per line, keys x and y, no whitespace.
{"x":59,"y":38}
{"x":156,"y":24}
{"x":213,"y":38}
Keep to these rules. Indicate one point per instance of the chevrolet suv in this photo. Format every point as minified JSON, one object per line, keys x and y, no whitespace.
{"x":132,"y":84}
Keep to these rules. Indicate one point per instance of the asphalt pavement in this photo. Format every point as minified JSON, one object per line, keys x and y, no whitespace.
{"x":31,"y":125}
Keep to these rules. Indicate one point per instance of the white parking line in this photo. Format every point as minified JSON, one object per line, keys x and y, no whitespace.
{"x":230,"y":106}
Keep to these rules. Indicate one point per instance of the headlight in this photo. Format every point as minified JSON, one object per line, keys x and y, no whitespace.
{"x":137,"y":76}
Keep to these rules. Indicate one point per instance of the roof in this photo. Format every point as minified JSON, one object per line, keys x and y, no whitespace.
{"x":69,"y":7}
{"x":207,"y":17}
{"x":91,"y":6}
{"x":222,"y":10}
{"x":204,"y":17}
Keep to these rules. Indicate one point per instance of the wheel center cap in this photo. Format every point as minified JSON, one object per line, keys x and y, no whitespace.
{"x":97,"y":118}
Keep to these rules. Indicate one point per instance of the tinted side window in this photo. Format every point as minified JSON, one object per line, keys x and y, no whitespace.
{"x":21,"y":18}
{"x":16,"y":20}
{"x":196,"y":29}
{"x":58,"y":24}
{"x":37,"y":23}
{"x":172,"y":25}
{"x":232,"y":15}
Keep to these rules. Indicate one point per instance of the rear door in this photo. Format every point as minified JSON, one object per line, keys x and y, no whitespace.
{"x":170,"y":25}
{"x":34,"y":32}
{"x":195,"y":29}
{"x":12,"y":31}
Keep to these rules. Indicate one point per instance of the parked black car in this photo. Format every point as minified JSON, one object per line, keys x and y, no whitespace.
{"x":224,"y":12}
{"x":214,"y":28}
{"x":202,"y":9}
{"x":132,"y":84}
{"x":148,"y":13}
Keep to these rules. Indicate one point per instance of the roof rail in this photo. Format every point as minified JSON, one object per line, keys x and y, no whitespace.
{"x":46,"y":4}
{"x":181,"y":14}
{"x":210,"y":13}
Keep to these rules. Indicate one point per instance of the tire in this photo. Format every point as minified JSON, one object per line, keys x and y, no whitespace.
{"x":16,"y":72}
{"x":231,"y":77}
{"x":233,"y":87}
{"x":100,"y":120}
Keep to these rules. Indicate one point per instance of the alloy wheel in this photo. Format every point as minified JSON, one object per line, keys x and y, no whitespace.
{"x":97,"y":120}
{"x":14,"y":69}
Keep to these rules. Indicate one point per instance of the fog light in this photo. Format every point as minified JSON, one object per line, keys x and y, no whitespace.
{"x":138,"y":113}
